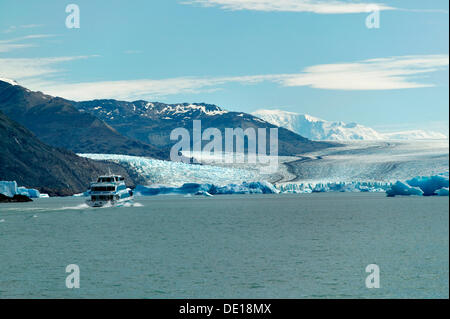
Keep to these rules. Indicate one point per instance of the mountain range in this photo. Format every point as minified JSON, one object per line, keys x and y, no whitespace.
{"x":322,"y":130}
{"x":152,"y":122}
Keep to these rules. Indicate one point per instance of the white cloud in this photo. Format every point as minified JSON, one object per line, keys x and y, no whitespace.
{"x":146,"y":88}
{"x":12,"y":44}
{"x":27,"y":70}
{"x":315,"y":6}
{"x":24,"y":26}
{"x":7,"y":47}
{"x":404,"y":72}
{"x":375,"y":74}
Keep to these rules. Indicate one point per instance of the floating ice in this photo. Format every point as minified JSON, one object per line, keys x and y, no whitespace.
{"x":442,"y":191}
{"x":10,"y":188}
{"x":207,"y":189}
{"x":325,"y":187}
{"x":203,"y":193}
{"x":429,"y":184}
{"x":422,"y":185}
{"x":400,"y":188}
{"x":86,"y":193}
{"x":30,"y":192}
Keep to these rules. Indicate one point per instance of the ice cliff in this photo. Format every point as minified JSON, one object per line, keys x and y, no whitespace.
{"x":207,"y":189}
{"x":10,"y":188}
{"x":421,"y":186}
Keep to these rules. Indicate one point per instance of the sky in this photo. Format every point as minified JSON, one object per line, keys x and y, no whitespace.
{"x":304,"y":56}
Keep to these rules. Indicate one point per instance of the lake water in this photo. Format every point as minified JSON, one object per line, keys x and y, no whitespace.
{"x":259,"y":246}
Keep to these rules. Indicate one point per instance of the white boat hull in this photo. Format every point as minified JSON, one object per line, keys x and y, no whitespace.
{"x":112,"y":203}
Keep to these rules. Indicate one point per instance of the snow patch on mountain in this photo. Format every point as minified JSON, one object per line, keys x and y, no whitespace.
{"x":322,"y":130}
{"x":12,"y":82}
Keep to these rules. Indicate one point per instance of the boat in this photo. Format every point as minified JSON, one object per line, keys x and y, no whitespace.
{"x":109,"y":190}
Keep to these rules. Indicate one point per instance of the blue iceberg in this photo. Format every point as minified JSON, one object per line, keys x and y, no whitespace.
{"x":422,"y":186}
{"x":325,"y":187}
{"x":207,"y":189}
{"x":442,"y":191}
{"x":30,"y":192}
{"x":429,"y":184}
{"x":400,"y":188}
{"x":10,"y":188}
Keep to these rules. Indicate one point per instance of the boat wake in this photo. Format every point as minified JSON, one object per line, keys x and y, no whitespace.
{"x":81,"y":206}
{"x":129,"y":204}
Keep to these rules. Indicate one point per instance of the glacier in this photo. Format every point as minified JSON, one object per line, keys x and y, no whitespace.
{"x":368,"y":167}
{"x":10,"y":188}
{"x":177,"y":173}
{"x":326,"y":187}
{"x":374,"y":161}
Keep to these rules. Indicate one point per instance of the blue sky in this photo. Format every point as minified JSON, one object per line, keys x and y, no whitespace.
{"x":305,"y":56}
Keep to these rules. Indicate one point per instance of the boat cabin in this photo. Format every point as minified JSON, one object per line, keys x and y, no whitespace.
{"x":110,"y":179}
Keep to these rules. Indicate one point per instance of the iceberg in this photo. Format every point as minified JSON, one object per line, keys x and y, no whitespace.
{"x":207,"y":189}
{"x":442,"y":191}
{"x":10,"y":188}
{"x":247,"y":188}
{"x":400,"y":188}
{"x":203,"y":193}
{"x":325,"y":187}
{"x":422,"y":186}
{"x":429,"y":184}
{"x":30,"y":192}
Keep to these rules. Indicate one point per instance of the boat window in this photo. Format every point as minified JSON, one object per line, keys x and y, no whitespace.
{"x":103,"y":188}
{"x":106,"y":179}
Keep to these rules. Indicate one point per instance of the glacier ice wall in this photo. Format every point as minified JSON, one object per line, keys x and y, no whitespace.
{"x":207,"y":189}
{"x":326,"y":187}
{"x":177,"y":173}
{"x":421,"y":186}
{"x":10,"y":188}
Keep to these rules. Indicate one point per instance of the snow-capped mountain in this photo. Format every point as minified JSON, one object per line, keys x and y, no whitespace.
{"x":318,"y":129}
{"x":153,"y":122}
{"x":9,"y":81}
{"x":113,"y":110}
{"x":322,"y":130}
